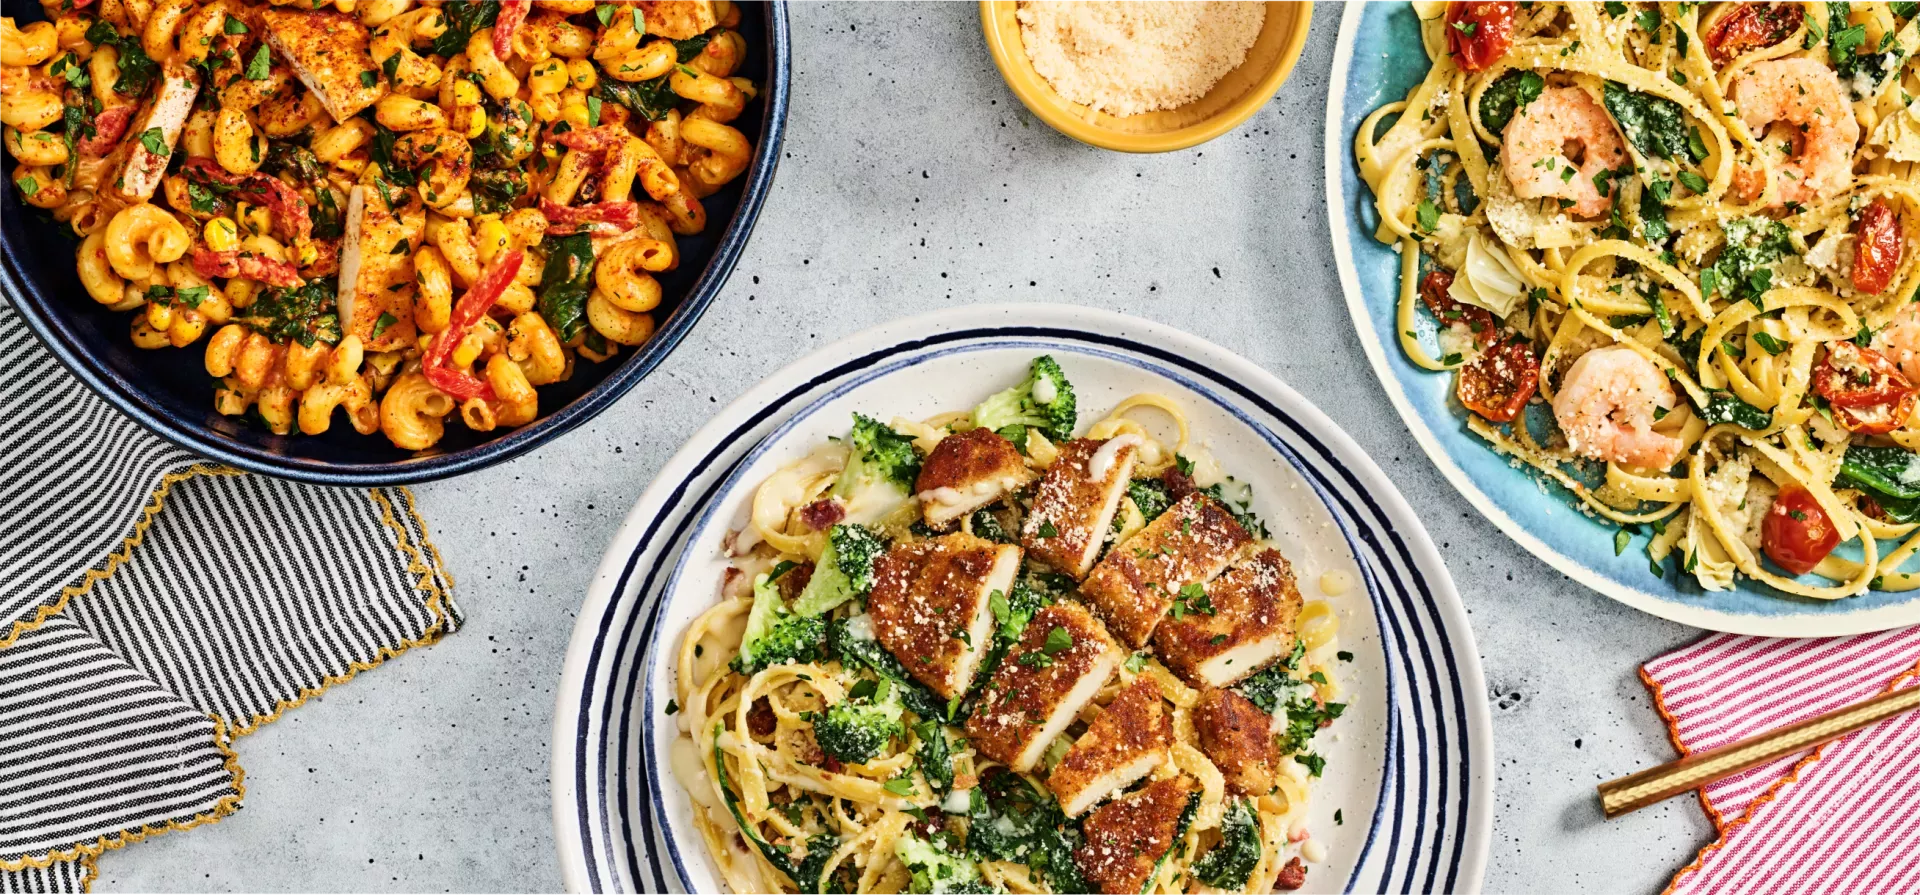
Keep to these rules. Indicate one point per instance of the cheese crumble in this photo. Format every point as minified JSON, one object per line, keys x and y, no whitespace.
{"x":1134,"y":57}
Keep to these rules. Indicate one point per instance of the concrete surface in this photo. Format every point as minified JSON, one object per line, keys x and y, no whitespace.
{"x":913,"y":180}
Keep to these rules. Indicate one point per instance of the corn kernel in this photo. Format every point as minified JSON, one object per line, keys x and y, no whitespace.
{"x":466,"y":93}
{"x":581,"y":74}
{"x":492,"y":239}
{"x":575,"y":113}
{"x":476,"y":122}
{"x":221,"y":235}
{"x":468,"y":350}
{"x":307,"y":254}
{"x":548,"y":77}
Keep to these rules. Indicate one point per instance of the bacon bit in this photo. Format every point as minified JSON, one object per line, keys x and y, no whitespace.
{"x":230,"y":263}
{"x":1178,"y":483}
{"x":832,"y":765}
{"x":1292,"y":876}
{"x":821,"y":514}
{"x":460,"y":384}
{"x":512,"y":14}
{"x":108,"y":128}
{"x":607,"y":218}
{"x":760,"y":719}
{"x":290,"y":219}
{"x":794,"y":581}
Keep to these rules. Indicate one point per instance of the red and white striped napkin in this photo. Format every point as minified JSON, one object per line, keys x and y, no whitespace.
{"x":1835,"y":820}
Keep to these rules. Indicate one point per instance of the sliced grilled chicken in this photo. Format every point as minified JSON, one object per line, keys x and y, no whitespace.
{"x":327,"y":52}
{"x":1063,"y":658}
{"x":1238,"y":738}
{"x":678,"y":19}
{"x":1074,"y":506}
{"x":1137,"y":583}
{"x":137,"y":168}
{"x":1132,"y":737}
{"x":376,"y":268}
{"x":930,"y":605}
{"x":966,"y":471}
{"x":1255,"y":605}
{"x":1127,"y":837}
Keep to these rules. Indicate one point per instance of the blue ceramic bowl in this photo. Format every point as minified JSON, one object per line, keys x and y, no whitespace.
{"x":169,"y":392}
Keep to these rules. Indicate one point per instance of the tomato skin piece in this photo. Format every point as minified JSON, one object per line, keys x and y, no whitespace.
{"x":1868,"y":393}
{"x":1796,"y":534}
{"x":1479,"y":321}
{"x":1876,"y":247}
{"x":460,"y":384}
{"x":1498,"y":384}
{"x":1479,"y":33}
{"x":1748,"y":27}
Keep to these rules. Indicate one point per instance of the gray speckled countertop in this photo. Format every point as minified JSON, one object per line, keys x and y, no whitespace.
{"x":913,"y":180}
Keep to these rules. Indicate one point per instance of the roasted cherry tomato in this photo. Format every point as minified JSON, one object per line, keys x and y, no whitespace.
{"x":1797,"y":534}
{"x":1876,"y":247}
{"x":1479,"y":33}
{"x":1498,"y":383}
{"x":1479,"y":321}
{"x":1868,"y":392}
{"x":1747,"y":27}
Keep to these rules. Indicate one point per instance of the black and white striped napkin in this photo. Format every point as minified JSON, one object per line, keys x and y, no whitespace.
{"x":155,"y":606}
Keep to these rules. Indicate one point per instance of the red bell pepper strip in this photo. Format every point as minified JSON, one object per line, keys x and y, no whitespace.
{"x":230,"y":263}
{"x":460,"y":384}
{"x":290,"y":218}
{"x":598,"y":217}
{"x":512,"y":14}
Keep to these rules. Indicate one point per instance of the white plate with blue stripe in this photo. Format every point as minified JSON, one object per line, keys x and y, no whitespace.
{"x":1409,"y":766}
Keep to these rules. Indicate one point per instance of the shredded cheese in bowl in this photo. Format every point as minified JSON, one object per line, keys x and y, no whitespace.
{"x":1127,"y":58}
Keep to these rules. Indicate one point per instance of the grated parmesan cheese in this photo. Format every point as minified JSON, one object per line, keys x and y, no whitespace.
{"x":1129,"y":58}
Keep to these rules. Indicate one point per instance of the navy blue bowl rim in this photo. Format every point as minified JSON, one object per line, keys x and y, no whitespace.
{"x":44,"y":318}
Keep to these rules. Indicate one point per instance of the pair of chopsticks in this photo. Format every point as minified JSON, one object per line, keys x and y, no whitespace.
{"x":1657,"y":784}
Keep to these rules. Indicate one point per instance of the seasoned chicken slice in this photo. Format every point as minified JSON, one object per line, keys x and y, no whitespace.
{"x":1238,"y":738}
{"x":1127,"y":837}
{"x":966,"y":471}
{"x":1139,"y":580}
{"x":931,"y":605}
{"x":678,"y":19}
{"x":1254,"y":605}
{"x":376,"y":269}
{"x":1063,"y":658}
{"x":1074,"y":505}
{"x":1132,"y":737}
{"x":138,"y":168}
{"x":327,"y":52}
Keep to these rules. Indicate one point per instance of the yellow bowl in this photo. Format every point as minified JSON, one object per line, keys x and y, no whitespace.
{"x":1238,"y":95}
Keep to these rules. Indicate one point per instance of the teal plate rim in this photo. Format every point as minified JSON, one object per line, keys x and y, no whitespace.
{"x":1542,"y":518}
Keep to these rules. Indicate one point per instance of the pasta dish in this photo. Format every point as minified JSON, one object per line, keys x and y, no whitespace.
{"x":398,"y":209}
{"x":1668,"y":251}
{"x":981,"y":653}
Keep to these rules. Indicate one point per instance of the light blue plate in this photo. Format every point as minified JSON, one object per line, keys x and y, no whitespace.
{"x":1377,"y":60}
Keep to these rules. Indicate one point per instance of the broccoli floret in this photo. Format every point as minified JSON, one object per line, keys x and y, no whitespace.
{"x":844,"y":571}
{"x":1151,"y":496}
{"x":938,"y":866}
{"x":986,"y":525}
{"x":857,"y":729}
{"x":880,"y":472}
{"x":1228,"y":864}
{"x":1044,"y":401}
{"x":775,"y":636}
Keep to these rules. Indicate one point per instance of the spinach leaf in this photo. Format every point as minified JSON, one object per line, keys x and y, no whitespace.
{"x":1742,"y":270}
{"x":1010,"y":820}
{"x":565,"y":284}
{"x":382,"y":153}
{"x":1885,"y":471}
{"x":1724,"y":407}
{"x":137,"y":70}
{"x":304,"y":314}
{"x":935,"y":754}
{"x":1507,"y":95}
{"x":806,"y":874}
{"x":651,"y":100}
{"x":1654,"y":124}
{"x":1653,"y":216}
{"x":1151,"y":496}
{"x":855,"y":652}
{"x":495,"y":189}
{"x":685,"y":50}
{"x":463,"y":18}
{"x":1228,"y":864}
{"x":1275,"y":684}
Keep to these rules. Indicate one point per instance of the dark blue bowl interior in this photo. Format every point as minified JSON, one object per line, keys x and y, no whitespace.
{"x":170,"y":393}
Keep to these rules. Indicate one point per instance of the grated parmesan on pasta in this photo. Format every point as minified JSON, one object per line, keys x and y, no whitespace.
{"x":1129,"y":58}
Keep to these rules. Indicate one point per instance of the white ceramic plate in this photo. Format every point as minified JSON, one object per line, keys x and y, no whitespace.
{"x":1408,"y":766}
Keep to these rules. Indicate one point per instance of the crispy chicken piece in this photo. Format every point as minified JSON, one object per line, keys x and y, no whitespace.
{"x":678,"y":19}
{"x":1074,"y":506}
{"x":966,"y":471}
{"x":370,"y":267}
{"x":1132,"y":737}
{"x":1255,"y":604}
{"x":931,"y":609}
{"x":1128,"y":836}
{"x":327,"y":52}
{"x":1238,"y":738}
{"x":137,"y":169}
{"x":1044,"y":681}
{"x":1190,"y":543}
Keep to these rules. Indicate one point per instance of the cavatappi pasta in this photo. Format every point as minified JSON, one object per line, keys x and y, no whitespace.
{"x":927,"y":671}
{"x":412,"y":211}
{"x":1689,"y":231}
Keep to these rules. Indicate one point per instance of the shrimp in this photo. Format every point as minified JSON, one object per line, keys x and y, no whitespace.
{"x":1607,"y":408}
{"x":1899,"y":340}
{"x":1557,"y":145}
{"x":1808,"y":119}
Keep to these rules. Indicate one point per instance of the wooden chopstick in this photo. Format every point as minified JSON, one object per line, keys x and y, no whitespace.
{"x":1656,"y":784}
